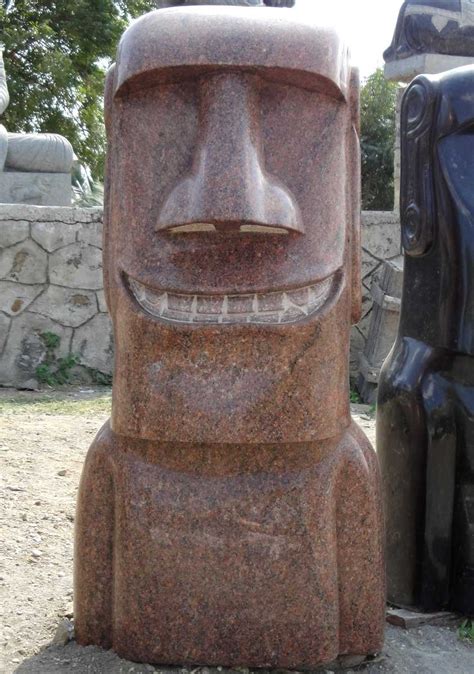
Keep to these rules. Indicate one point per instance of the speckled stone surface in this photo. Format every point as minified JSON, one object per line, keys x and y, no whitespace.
{"x":230,"y":512}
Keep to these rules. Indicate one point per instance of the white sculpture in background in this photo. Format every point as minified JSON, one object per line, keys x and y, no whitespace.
{"x":30,"y":152}
{"x":35,"y":168}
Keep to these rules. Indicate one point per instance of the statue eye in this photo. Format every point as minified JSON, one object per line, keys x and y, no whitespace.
{"x":417,"y":235}
{"x":417,"y":197}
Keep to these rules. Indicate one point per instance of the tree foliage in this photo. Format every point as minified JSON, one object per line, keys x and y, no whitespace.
{"x":378,"y":104}
{"x":56,"y":55}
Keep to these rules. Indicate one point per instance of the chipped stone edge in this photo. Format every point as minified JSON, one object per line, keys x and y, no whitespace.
{"x":65,"y":214}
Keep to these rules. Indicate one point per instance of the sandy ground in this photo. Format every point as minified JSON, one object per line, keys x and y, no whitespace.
{"x":43,"y":441}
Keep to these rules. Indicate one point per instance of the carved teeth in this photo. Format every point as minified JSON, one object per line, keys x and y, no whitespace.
{"x":182,"y":303}
{"x":268,"y":308}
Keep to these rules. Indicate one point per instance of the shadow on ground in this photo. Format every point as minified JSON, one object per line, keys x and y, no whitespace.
{"x":427,"y":650}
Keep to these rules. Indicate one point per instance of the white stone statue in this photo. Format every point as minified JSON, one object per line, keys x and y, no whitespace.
{"x":30,"y":152}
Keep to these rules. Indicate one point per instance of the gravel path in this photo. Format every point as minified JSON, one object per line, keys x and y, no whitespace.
{"x":43,"y":441}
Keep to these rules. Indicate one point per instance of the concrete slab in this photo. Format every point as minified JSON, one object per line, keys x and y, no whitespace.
{"x":401,"y":617}
{"x":42,"y":189}
{"x":405,"y":70}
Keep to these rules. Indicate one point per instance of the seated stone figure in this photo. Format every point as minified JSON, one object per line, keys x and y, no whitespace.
{"x":245,"y":3}
{"x":433,"y":26}
{"x":31,"y":152}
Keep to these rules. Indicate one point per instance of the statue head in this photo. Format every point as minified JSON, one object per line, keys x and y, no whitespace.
{"x":437,"y":208}
{"x":231,"y":226}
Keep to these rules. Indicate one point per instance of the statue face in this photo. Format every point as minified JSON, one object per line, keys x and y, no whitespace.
{"x":217,"y":204}
{"x":229,"y":197}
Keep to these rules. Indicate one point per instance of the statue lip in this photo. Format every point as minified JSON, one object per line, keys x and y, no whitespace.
{"x":229,"y":228}
{"x":279,"y":307}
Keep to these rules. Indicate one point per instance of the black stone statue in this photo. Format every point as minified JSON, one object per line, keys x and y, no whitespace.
{"x":244,"y":3}
{"x":435,"y":27}
{"x":425,"y":417}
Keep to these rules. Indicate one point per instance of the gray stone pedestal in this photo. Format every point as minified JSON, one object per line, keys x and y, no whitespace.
{"x":40,"y":189}
{"x":405,"y":70}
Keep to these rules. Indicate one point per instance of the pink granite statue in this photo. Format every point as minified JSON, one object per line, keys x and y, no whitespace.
{"x":229,"y":514}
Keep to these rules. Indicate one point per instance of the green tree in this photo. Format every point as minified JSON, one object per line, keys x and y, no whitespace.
{"x":378,"y":104}
{"x":56,"y":55}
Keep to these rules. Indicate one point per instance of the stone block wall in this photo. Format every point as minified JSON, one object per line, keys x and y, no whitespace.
{"x":51,"y":294}
{"x":52,"y":302}
{"x":380,"y":241}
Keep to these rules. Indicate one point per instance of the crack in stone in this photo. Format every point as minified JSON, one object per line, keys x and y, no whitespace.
{"x":380,"y":260}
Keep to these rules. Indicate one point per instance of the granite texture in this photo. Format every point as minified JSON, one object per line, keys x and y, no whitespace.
{"x":267,"y":556}
{"x":230,"y":513}
{"x":425,"y":409}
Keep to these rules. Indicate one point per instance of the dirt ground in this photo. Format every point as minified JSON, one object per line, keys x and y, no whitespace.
{"x":43,"y":441}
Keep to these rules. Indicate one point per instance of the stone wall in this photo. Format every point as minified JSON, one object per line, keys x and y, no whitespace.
{"x":51,"y":292}
{"x":380,"y":241}
{"x":51,"y":295}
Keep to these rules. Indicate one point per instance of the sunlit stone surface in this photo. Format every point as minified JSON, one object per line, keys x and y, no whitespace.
{"x":230,"y":512}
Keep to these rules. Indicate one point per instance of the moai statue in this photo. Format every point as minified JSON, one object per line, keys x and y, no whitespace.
{"x":425,"y":419}
{"x":230,"y":512}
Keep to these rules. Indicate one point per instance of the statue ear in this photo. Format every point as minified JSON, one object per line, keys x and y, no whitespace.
{"x":354,"y":190}
{"x":108,"y":95}
{"x":416,"y":185}
{"x":108,"y":107}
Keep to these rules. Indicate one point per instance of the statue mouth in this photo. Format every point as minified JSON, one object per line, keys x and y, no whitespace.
{"x":270,"y":308}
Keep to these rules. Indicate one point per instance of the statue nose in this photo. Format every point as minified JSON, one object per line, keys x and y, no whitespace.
{"x":228,"y":187}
